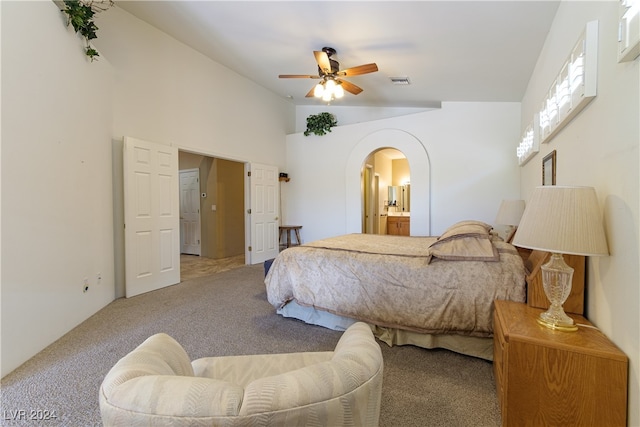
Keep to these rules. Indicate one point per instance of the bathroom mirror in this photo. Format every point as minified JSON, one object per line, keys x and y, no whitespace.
{"x":400,"y":197}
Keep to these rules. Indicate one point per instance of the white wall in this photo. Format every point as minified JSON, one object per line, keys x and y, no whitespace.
{"x":56,"y":186}
{"x":169,"y":93}
{"x":469,"y":152}
{"x":599,"y":148}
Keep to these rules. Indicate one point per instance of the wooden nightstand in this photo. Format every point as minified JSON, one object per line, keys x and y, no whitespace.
{"x":547,"y":377}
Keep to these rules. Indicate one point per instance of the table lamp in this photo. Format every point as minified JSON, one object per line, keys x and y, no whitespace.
{"x":509,"y":214}
{"x":561,"y":220}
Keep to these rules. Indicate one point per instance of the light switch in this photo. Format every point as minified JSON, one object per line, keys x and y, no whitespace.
{"x":213,"y":207}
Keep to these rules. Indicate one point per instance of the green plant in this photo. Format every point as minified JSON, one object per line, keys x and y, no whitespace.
{"x":320,"y":124}
{"x":80,"y":14}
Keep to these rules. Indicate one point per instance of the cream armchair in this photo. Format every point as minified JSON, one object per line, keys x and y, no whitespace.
{"x":157,"y":384}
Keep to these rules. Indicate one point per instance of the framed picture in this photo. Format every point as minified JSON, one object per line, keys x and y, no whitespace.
{"x":549,"y":169}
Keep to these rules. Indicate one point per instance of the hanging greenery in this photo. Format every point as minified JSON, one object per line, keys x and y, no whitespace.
{"x":320,"y":124}
{"x":80,"y":14}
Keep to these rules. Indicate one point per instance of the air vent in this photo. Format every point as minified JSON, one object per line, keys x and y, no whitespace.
{"x":399,"y":80}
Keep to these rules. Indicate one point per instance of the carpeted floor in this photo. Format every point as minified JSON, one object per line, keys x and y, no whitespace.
{"x":225,"y":314}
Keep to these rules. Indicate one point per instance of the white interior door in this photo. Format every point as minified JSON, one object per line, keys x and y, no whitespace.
{"x":190,"y":212}
{"x":264,"y":196}
{"x":151,"y":213}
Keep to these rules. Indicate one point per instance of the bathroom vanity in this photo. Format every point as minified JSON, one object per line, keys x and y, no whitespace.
{"x":398,"y":225}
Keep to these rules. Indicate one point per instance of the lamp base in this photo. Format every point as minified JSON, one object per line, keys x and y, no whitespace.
{"x":556,"y":281}
{"x":557,"y":326}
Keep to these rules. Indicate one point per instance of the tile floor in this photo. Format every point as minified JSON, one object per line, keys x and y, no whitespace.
{"x":192,"y":266}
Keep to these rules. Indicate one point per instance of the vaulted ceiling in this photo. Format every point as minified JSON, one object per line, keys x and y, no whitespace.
{"x":476,"y":51}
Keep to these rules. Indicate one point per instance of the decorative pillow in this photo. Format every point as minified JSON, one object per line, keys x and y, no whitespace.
{"x":484,"y":225}
{"x":465,"y":248}
{"x":465,"y":241}
{"x":467,"y":229}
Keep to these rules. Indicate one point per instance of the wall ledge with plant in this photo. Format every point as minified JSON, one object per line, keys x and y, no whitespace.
{"x":320,"y":124}
{"x":80,"y":15}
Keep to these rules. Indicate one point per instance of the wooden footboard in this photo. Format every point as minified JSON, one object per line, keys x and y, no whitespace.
{"x":536,"y":297}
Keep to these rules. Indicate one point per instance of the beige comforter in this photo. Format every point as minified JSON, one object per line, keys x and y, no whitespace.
{"x":389,"y":281}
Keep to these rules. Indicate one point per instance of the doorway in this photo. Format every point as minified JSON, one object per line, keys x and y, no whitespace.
{"x":230,"y":233}
{"x":220,"y":205}
{"x":385,"y":187}
{"x":190,"y":212}
{"x":417,"y":157}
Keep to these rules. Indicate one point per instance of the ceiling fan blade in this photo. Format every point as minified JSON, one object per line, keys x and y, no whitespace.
{"x":297,"y":76}
{"x":361,"y":69}
{"x":350,"y":87}
{"x":310,"y":93}
{"x":323,"y":61}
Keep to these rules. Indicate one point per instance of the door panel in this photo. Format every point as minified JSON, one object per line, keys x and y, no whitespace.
{"x":265,"y":196}
{"x":152,"y":252}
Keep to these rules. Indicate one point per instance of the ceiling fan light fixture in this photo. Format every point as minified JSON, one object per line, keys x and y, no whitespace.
{"x":330,"y":85}
{"x":318,"y":90}
{"x":327,"y":96}
{"x":328,"y":89}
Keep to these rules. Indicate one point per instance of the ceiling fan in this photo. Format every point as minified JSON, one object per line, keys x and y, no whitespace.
{"x":332,"y":86}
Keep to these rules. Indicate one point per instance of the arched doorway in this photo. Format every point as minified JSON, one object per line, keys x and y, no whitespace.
{"x":385,"y":190}
{"x":418,"y":159}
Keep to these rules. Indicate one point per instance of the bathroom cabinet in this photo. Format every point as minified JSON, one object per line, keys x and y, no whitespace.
{"x":398,"y":225}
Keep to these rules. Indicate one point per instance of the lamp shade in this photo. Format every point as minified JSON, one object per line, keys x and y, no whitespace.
{"x":563,"y":220}
{"x":510,"y":212}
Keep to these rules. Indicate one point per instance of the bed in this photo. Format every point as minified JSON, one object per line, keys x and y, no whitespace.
{"x":425,"y":291}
